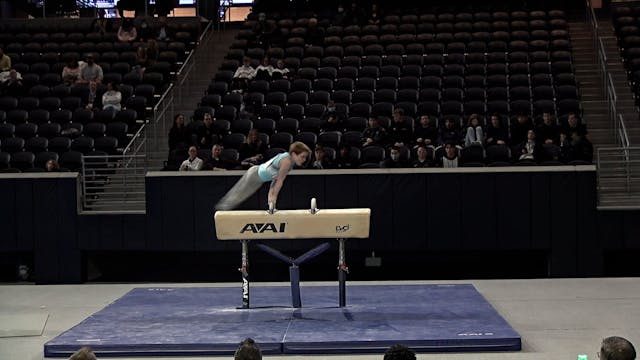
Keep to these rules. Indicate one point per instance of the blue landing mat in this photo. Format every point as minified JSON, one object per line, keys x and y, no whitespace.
{"x":205,"y":321}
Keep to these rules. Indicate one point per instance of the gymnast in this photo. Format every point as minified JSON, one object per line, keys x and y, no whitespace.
{"x":275,"y":170}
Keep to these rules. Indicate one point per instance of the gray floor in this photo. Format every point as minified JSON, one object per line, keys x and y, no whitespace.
{"x":557,"y":318}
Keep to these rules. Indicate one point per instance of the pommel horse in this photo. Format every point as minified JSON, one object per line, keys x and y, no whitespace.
{"x":247,"y":225}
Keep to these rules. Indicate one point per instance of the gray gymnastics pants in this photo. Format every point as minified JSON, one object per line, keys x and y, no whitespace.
{"x":248,"y":184}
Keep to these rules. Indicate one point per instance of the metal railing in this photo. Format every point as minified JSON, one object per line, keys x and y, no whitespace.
{"x":113,"y":183}
{"x":618,"y":177}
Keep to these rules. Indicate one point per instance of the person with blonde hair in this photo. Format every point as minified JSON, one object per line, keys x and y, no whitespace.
{"x":85,"y":353}
{"x":274,"y":170}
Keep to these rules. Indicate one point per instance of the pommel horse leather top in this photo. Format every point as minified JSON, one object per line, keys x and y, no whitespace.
{"x":292,"y":224}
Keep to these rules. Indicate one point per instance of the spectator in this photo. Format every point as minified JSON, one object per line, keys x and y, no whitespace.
{"x":375,"y":15}
{"x":5,"y":61}
{"x":573,"y":125}
{"x":399,"y":352}
{"x":400,"y":132}
{"x":425,"y":133}
{"x":93,"y":100}
{"x":616,"y":348}
{"x":340,"y":19}
{"x":530,"y":149}
{"x":520,"y":129}
{"x":90,"y":72}
{"x":178,"y":134}
{"x":52,"y":166}
{"x":332,"y":124}
{"x":374,"y":134}
{"x":355,"y":15}
{"x":264,"y":70}
{"x":548,"y":132}
{"x":320,"y":161}
{"x":163,"y":33}
{"x":85,"y":353}
{"x":252,"y":150}
{"x":394,"y":160}
{"x":566,"y":149}
{"x":215,"y":162}
{"x":193,"y":163}
{"x":496,"y":133}
{"x":152,"y":51}
{"x":344,"y":160}
{"x":206,"y":133}
{"x":71,"y":72}
{"x":111,"y":98}
{"x":582,"y":147}
{"x":11,"y":83}
{"x":127,"y":31}
{"x":315,"y":34}
{"x":145,"y":30}
{"x":142,"y":61}
{"x":449,"y":133}
{"x":450,"y":157}
{"x":422,"y":160}
{"x":100,"y":25}
{"x":263,"y":31}
{"x":248,"y":350}
{"x":475,"y":135}
{"x":280,"y":72}
{"x":243,"y":75}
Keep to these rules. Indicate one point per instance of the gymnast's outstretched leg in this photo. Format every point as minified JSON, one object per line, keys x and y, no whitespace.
{"x":248,"y":184}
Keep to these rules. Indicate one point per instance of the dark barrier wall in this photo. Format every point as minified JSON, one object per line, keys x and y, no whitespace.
{"x":39,"y":216}
{"x":547,"y":210}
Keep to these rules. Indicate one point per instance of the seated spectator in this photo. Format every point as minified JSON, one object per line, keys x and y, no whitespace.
{"x":145,"y":31}
{"x":450,"y":157}
{"x":252,"y":150}
{"x":193,"y":163}
{"x":93,"y":100}
{"x":394,"y":160}
{"x":163,"y":32}
{"x":85,"y":353}
{"x":5,"y":61}
{"x":355,"y":15}
{"x":243,"y":75}
{"x":320,"y":160}
{"x":111,"y":98}
{"x":530,"y":149}
{"x":573,"y":125}
{"x":422,"y":160}
{"x":581,"y":146}
{"x":616,"y":348}
{"x":179,"y":136}
{"x":90,"y":72}
{"x":475,"y":134}
{"x":206,"y":133}
{"x":264,"y":70}
{"x":215,"y":162}
{"x":52,"y":166}
{"x":520,"y":129}
{"x":127,"y":31}
{"x":374,"y":134}
{"x":101,"y":25}
{"x":566,"y":149}
{"x":11,"y":83}
{"x":152,"y":52}
{"x":548,"y":132}
{"x":399,"y":352}
{"x":340,"y":18}
{"x":71,"y":72}
{"x":142,"y":60}
{"x":332,"y":123}
{"x":400,"y":131}
{"x":315,"y":34}
{"x":496,"y":133}
{"x":248,"y":350}
{"x":425,"y":133}
{"x":280,"y":72}
{"x":375,"y":15}
{"x":344,"y":159}
{"x":449,"y":133}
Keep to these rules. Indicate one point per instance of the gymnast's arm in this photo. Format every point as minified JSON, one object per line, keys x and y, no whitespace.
{"x":276,"y":184}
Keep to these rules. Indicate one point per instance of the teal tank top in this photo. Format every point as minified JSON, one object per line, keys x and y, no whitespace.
{"x":268,"y":171}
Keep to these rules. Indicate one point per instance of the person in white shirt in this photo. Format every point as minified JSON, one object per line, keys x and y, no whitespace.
{"x":450,"y":158}
{"x":193,"y":163}
{"x":111,"y":98}
{"x":243,"y":75}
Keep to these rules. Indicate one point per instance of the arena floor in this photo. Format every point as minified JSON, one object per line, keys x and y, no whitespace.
{"x":557,"y":318}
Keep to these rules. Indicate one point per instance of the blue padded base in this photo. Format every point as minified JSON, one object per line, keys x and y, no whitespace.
{"x":206,"y":321}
